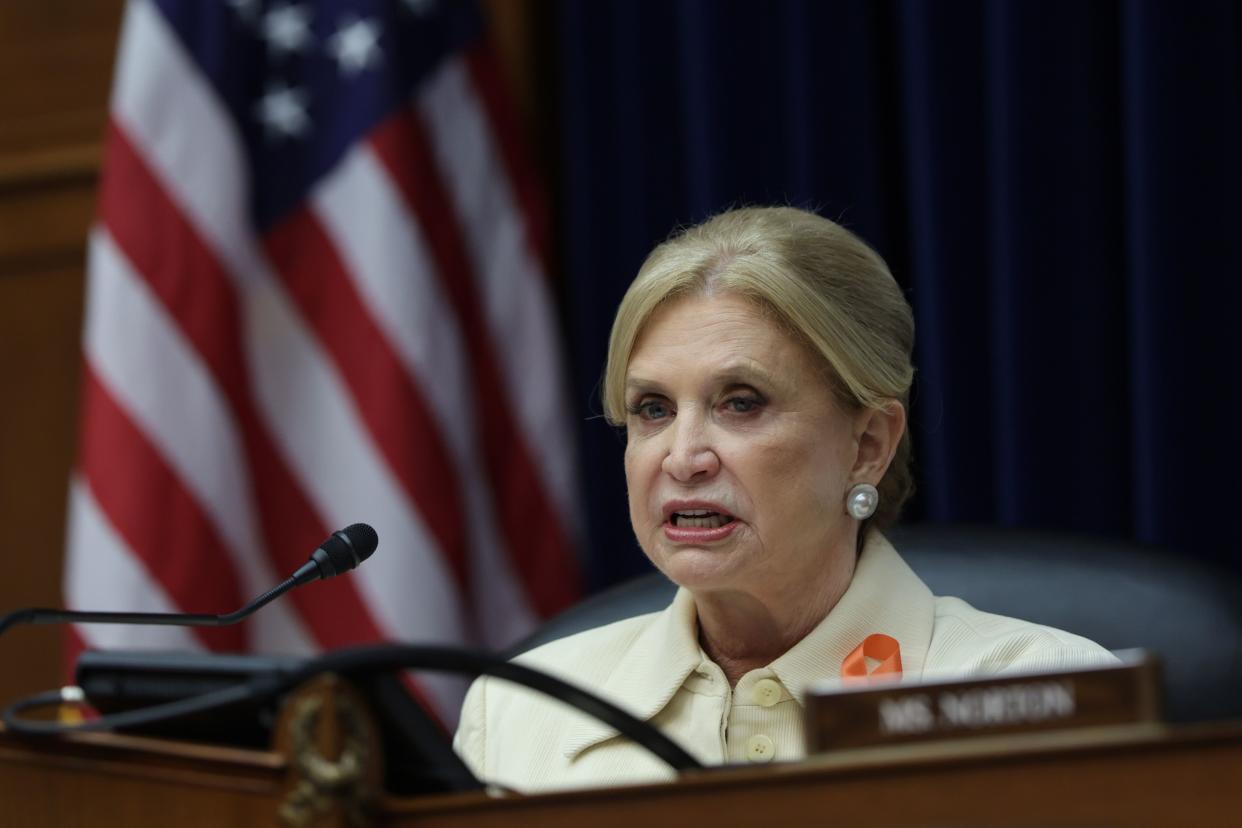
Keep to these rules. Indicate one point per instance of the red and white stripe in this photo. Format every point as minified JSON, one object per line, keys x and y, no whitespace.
{"x":387,"y":353}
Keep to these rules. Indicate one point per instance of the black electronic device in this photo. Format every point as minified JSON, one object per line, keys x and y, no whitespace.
{"x":417,"y":755}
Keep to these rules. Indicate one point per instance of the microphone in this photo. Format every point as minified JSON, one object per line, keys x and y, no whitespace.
{"x":342,"y":551}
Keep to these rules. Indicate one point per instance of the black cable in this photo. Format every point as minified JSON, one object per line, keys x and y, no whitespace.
{"x":130,"y":718}
{"x":44,"y":699}
{"x":378,"y":658}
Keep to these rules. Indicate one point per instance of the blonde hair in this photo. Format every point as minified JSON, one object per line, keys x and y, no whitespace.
{"x":820,"y":281}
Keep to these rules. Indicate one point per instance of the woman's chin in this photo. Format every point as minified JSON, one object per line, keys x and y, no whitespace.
{"x":698,"y":568}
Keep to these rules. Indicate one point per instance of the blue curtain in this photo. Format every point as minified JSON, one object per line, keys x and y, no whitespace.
{"x":1055,"y":184}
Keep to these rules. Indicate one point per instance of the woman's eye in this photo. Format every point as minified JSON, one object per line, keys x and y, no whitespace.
{"x":650,"y":409}
{"x":741,"y":405}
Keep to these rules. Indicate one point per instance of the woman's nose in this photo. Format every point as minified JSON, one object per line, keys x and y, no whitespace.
{"x":690,"y":455}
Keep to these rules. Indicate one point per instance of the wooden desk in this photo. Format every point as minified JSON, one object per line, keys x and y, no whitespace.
{"x":1141,"y":776}
{"x":107,"y":780}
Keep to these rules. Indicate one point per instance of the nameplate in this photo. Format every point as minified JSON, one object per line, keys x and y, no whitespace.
{"x":895,"y":713}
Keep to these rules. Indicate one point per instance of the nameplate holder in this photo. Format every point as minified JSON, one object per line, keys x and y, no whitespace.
{"x":900,"y":713}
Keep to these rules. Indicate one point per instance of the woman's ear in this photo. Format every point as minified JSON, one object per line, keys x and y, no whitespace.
{"x":877,"y":433}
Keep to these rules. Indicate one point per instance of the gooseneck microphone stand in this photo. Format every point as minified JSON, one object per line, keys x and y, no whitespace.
{"x":342,"y":551}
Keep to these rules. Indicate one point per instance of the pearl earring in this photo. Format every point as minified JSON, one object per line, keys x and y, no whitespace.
{"x":862,"y":501}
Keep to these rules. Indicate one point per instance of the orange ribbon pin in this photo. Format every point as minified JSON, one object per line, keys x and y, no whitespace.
{"x":878,"y":646}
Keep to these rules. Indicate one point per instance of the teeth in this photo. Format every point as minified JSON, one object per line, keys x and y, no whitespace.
{"x":700,"y":519}
{"x":713,"y":522}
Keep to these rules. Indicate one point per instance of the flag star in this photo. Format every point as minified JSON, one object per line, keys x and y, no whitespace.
{"x":247,"y":10}
{"x":287,"y":28}
{"x":282,"y":111}
{"x":421,"y":7}
{"x":356,"y":46}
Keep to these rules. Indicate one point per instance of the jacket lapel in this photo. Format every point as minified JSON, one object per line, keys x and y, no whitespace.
{"x":648,"y":675}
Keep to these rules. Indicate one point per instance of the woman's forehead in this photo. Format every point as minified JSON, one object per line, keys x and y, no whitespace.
{"x":727,"y":334}
{"x":696,"y":317}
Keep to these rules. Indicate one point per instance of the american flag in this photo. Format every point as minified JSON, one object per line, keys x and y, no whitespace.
{"x":317,"y":296}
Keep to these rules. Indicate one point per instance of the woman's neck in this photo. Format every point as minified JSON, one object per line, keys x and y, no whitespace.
{"x":743,"y":630}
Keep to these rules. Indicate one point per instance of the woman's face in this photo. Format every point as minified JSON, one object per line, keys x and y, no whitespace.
{"x":738,"y":455}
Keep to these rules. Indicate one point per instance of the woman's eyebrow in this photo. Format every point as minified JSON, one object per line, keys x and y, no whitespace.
{"x":733,"y":374}
{"x":747,"y":373}
{"x":641,"y":384}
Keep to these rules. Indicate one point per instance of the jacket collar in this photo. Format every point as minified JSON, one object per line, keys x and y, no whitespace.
{"x":885,"y":596}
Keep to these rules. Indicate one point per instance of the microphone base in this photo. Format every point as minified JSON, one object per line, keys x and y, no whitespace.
{"x":120,"y":681}
{"x":418,"y":757}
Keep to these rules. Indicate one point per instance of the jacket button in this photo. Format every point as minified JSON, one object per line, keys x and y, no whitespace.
{"x":767,"y":692}
{"x":760,"y":749}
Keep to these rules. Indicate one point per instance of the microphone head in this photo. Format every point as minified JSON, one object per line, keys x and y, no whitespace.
{"x":345,"y":549}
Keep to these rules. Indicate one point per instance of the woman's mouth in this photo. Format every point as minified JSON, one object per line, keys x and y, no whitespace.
{"x":699,"y":526}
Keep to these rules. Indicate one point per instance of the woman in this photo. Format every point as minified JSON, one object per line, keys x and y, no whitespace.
{"x":760,"y":364}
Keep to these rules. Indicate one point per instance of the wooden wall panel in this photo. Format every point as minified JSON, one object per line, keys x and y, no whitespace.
{"x":43,"y":220}
{"x":55,"y":67}
{"x":40,"y":319}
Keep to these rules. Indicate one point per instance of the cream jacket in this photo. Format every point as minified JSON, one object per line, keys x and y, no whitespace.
{"x":652,"y":666}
